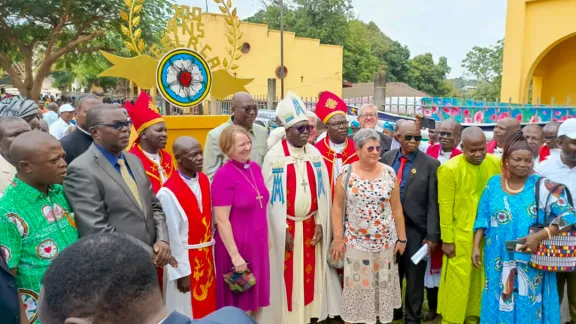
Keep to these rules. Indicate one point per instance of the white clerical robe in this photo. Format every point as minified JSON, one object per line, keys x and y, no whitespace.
{"x":177,"y":223}
{"x":155,"y":157}
{"x":327,"y":291}
{"x":338,"y":148}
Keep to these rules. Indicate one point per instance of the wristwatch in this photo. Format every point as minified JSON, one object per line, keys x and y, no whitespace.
{"x":402,"y":241}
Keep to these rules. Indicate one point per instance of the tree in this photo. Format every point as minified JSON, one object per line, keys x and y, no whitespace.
{"x":360,"y":64}
{"x":427,"y":76}
{"x":38,"y":33}
{"x":485,"y":64}
{"x":393,"y":55}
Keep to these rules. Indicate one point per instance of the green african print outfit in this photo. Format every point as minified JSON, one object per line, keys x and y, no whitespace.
{"x":34,"y":228}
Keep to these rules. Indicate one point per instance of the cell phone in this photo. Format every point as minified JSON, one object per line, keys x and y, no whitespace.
{"x":514,"y":246}
{"x":427,"y":123}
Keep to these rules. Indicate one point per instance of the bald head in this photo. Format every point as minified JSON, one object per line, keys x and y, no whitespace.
{"x":406,"y":125}
{"x":96,"y":115}
{"x":550,"y":131}
{"x":26,"y":145}
{"x":53,"y":106}
{"x":398,"y":123}
{"x":10,"y":128}
{"x":474,"y":145}
{"x":244,"y":109}
{"x":188,"y":153}
{"x":504,"y":128}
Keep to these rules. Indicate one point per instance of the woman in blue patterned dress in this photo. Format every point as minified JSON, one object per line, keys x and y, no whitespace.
{"x":515,"y":292}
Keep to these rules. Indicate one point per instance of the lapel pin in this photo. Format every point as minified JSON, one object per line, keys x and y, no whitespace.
{"x":414,"y":171}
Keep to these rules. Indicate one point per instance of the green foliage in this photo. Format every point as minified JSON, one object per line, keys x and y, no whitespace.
{"x":39,"y":33}
{"x":360,"y":64}
{"x":485,"y":64}
{"x":427,"y":76}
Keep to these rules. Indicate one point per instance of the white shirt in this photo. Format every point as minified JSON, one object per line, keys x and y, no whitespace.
{"x":194,"y":185}
{"x":444,"y":157}
{"x":498,"y":151}
{"x":59,"y":128}
{"x":395,"y":144}
{"x":554,"y":169}
{"x":155,"y":157}
{"x":7,"y":173}
{"x":338,"y":161}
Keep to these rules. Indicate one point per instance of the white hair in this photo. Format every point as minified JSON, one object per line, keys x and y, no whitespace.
{"x":365,"y":135}
{"x":311,"y":114}
{"x":366,"y":106}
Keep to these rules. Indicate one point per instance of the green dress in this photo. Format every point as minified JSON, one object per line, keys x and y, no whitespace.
{"x":460,"y":187}
{"x":34,"y":228}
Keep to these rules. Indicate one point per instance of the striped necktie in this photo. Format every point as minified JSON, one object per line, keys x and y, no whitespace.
{"x":129,"y":181}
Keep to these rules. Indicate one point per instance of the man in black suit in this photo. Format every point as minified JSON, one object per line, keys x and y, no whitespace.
{"x":10,"y":311}
{"x":77,"y":142}
{"x":416,"y":173}
{"x":368,"y":117}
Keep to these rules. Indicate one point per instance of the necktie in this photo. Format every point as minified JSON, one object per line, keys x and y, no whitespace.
{"x":129,"y":181}
{"x":400,"y":174}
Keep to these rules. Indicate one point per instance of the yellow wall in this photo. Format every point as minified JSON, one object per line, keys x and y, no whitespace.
{"x":319,"y":65}
{"x":195,"y":126}
{"x":534,"y":46}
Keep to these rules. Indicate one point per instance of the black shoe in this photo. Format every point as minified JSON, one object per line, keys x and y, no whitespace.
{"x":398,"y":314}
{"x":429,"y":316}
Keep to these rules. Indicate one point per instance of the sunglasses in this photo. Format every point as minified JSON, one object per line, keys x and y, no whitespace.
{"x":303,"y":128}
{"x":116,"y":125}
{"x":416,"y":138}
{"x":371,"y":149}
{"x":445,"y":134}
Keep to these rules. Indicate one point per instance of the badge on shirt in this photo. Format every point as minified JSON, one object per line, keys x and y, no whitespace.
{"x":414,"y":171}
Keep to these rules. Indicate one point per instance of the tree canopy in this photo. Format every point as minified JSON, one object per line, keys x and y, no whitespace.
{"x":366,"y":48}
{"x":485,"y":65}
{"x":39,"y":33}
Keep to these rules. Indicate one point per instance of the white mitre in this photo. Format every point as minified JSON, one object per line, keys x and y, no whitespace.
{"x":291,"y":110}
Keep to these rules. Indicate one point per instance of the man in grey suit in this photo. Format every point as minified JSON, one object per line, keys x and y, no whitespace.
{"x":418,"y":180}
{"x":109,"y":191}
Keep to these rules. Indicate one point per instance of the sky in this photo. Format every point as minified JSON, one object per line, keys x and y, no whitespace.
{"x":447,"y":28}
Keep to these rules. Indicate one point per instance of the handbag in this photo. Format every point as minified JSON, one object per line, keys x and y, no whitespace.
{"x":557,"y":254}
{"x":339,"y":264}
{"x":240,"y":282}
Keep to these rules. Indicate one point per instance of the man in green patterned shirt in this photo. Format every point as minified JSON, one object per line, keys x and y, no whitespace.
{"x":36,"y":222}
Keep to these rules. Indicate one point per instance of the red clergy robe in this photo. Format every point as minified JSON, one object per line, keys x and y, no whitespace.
{"x":152,"y":169}
{"x":202,"y":279}
{"x":434,"y":151}
{"x":491,"y":146}
{"x":348,"y":156}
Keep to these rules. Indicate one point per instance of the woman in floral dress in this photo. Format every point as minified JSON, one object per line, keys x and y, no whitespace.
{"x":374,"y":232}
{"x":514,"y":291}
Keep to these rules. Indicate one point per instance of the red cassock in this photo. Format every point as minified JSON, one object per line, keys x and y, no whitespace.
{"x":151,"y":168}
{"x":434,"y":151}
{"x":544,"y":153}
{"x":202,"y":278}
{"x":348,"y":156}
{"x":436,"y":260}
{"x":491,"y":146}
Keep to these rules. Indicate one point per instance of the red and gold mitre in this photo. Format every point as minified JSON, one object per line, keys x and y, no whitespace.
{"x":143,"y":113}
{"x":330,"y":105}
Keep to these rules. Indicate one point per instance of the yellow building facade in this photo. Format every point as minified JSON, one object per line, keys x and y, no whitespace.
{"x":539,"y":49}
{"x":311,"y":67}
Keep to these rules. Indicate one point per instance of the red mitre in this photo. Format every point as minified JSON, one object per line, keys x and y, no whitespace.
{"x":143,"y":113}
{"x":330,"y":105}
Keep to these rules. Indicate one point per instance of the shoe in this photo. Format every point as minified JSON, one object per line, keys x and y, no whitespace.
{"x":398,"y":314}
{"x":429,"y":316}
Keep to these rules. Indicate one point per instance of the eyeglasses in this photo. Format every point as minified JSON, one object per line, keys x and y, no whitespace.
{"x":303,"y":128}
{"x":343,"y":123}
{"x":116,"y":125}
{"x":445,"y":134}
{"x":371,"y":149}
{"x":369,"y":116}
{"x":550,"y":138}
{"x":250,"y":109}
{"x":416,"y":138}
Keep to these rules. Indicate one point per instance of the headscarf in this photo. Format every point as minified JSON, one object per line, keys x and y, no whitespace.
{"x":18,"y":106}
{"x":389,"y":127}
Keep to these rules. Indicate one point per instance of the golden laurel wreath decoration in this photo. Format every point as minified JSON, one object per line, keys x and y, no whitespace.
{"x":131,"y":30}
{"x":234,"y":34}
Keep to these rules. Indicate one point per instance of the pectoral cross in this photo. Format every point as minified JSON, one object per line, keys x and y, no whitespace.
{"x":259,"y":198}
{"x":304,"y":184}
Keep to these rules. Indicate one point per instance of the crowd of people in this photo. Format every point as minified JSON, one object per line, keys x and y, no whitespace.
{"x":292,"y":227}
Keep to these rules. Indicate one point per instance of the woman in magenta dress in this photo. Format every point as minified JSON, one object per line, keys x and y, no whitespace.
{"x":240,"y":198}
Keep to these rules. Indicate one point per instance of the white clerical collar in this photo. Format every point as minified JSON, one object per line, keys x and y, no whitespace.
{"x":442,"y":153}
{"x":337,"y":147}
{"x":296,"y":150}
{"x":82,"y":130}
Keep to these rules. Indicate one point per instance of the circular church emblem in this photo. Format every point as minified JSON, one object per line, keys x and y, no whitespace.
{"x":21,"y":225}
{"x":47,"y":249}
{"x":183,"y":77}
{"x":30,"y":303}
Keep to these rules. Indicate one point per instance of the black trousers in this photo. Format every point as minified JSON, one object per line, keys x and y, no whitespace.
{"x":432,"y":296}
{"x":414,"y":274}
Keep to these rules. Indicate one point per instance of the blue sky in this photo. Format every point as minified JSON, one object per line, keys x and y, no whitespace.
{"x":442,"y":27}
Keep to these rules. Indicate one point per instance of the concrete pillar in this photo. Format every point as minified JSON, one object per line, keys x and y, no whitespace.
{"x":271,"y":93}
{"x":380,"y":90}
